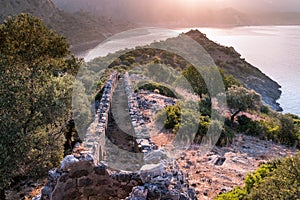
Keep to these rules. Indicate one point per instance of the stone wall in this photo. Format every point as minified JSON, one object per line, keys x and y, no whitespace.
{"x":83,"y":176}
{"x":79,"y":178}
{"x":94,"y":141}
{"x":141,"y":133}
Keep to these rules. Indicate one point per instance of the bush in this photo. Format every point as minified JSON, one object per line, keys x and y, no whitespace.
{"x":248,"y":126}
{"x":173,"y":117}
{"x":279,"y":179}
{"x":163,"y":90}
{"x":281,"y":129}
{"x":226,"y":136}
{"x":205,"y":106}
{"x":36,"y":93}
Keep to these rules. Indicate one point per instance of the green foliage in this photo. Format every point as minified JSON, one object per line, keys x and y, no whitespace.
{"x":194,"y":126}
{"x":279,"y":179}
{"x":205,"y":106}
{"x":159,"y":73}
{"x":173,"y":117}
{"x":236,"y":194}
{"x":265,"y":109}
{"x":248,"y":126}
{"x":163,"y":90}
{"x":240,"y":99}
{"x":229,"y":80}
{"x":226,"y":136}
{"x":282,"y":183}
{"x":279,"y":128}
{"x":36,"y":86}
{"x":255,"y":178}
{"x":195,"y":79}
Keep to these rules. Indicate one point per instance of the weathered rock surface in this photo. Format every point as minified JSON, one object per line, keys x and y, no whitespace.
{"x":223,"y":168}
{"x":80,"y":178}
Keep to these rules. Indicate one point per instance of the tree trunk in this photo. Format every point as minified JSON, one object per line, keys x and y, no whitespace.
{"x":2,"y":194}
{"x":234,"y":114}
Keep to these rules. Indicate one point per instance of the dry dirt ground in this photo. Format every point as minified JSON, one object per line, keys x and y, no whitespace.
{"x":220,"y":169}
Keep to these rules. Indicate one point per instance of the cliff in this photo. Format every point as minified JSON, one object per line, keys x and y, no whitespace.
{"x":230,"y":60}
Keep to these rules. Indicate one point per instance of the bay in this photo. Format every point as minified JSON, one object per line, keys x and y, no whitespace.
{"x":272,"y":49}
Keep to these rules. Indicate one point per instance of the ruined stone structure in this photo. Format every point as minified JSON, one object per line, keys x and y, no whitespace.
{"x":85,"y":175}
{"x":94,"y":141}
{"x":141,"y":133}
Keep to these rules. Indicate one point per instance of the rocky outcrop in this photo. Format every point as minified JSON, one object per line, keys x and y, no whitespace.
{"x":251,"y":77}
{"x":80,"y":178}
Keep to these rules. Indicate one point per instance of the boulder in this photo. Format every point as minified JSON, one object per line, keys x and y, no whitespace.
{"x":155,"y":157}
{"x":67,"y":162}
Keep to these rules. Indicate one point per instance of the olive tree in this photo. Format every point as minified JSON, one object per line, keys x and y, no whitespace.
{"x":35,"y":87}
{"x":241,"y":99}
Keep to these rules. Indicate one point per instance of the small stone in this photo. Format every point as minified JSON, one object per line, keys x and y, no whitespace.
{"x":152,"y":170}
{"x":100,"y":169}
{"x":37,"y":197}
{"x":53,"y":174}
{"x":219,"y":161}
{"x":46,"y":191}
{"x":67,"y":162}
{"x":184,"y":197}
{"x":139,"y":192}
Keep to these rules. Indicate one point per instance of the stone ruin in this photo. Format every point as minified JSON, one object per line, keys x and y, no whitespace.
{"x":84,"y":175}
{"x":141,"y":133}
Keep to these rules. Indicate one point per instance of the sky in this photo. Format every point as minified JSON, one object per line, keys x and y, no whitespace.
{"x":196,"y":12}
{"x":244,"y":5}
{"x":263,"y":5}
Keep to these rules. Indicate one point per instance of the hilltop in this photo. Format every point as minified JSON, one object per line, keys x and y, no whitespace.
{"x":224,"y":57}
{"x":231,"y":61}
{"x":83,"y":30}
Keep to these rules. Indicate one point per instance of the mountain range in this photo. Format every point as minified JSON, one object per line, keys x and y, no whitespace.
{"x":175,"y":13}
{"x":82,"y":29}
{"x":86,"y":23}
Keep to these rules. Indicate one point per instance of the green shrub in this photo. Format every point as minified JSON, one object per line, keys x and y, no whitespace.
{"x":236,"y":194}
{"x":248,"y":126}
{"x":205,"y":106}
{"x":163,"y":90}
{"x":173,"y":117}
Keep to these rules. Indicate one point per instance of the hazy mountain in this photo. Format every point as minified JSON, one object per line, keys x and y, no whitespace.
{"x":191,"y":12}
{"x":79,"y":27}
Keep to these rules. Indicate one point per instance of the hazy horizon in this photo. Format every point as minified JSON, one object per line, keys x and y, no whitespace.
{"x":190,"y":12}
{"x":245,"y":6}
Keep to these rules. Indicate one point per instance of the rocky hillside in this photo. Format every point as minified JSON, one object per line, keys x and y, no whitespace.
{"x":230,"y":60}
{"x":82,"y":30}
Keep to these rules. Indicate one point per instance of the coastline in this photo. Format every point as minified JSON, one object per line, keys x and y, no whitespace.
{"x":269,"y":97}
